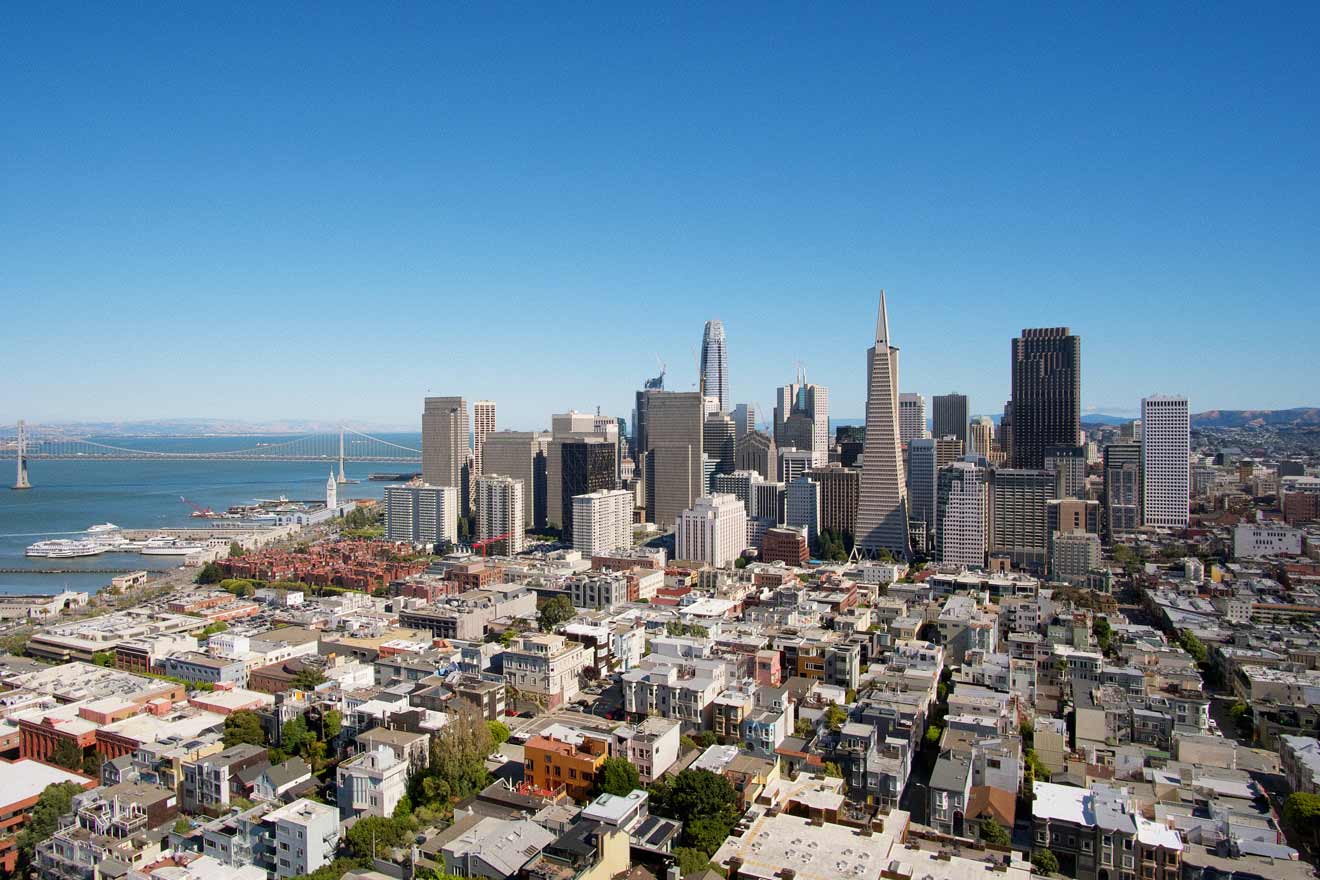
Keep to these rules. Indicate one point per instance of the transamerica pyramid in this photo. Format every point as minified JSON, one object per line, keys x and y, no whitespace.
{"x":882,"y":520}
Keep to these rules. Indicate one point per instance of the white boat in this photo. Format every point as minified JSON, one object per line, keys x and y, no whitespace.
{"x":102,"y":528}
{"x":64,"y":549}
{"x":163,"y":545}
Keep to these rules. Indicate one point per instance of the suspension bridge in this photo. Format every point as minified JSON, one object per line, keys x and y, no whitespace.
{"x":346,"y":446}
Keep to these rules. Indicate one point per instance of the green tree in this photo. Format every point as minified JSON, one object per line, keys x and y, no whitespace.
{"x":707,"y":738}
{"x":617,"y":776}
{"x":687,"y":744}
{"x":1194,"y":646}
{"x":68,"y":755}
{"x":1103,"y":633}
{"x":236,"y":550}
{"x":91,"y":764}
{"x":835,"y":716}
{"x":211,"y":629}
{"x":54,"y":802}
{"x":1037,"y":767}
{"x":833,"y":770}
{"x":690,"y":860}
{"x":374,"y":835}
{"x":803,"y":728}
{"x":308,"y":678}
{"x":210,"y":574}
{"x":457,"y":766}
{"x":933,"y":734}
{"x":556,"y":611}
{"x":499,"y":732}
{"x":994,"y":833}
{"x":103,"y":658}
{"x":705,"y":802}
{"x":331,"y":723}
{"x":1044,"y":861}
{"x":1302,"y":813}
{"x":244,"y":726}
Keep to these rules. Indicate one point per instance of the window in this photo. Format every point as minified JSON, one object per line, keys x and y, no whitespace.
{"x":1086,"y":845}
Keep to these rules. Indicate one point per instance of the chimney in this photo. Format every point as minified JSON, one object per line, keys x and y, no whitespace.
{"x":735,"y":866}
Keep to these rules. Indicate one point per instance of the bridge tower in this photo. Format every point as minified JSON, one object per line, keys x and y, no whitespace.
{"x":343,"y":478}
{"x":22,"y":481}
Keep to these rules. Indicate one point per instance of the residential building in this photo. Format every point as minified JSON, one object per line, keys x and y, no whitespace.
{"x":547,"y":665}
{"x":1099,"y":833}
{"x":306,"y":835}
{"x":521,"y":455}
{"x":1068,"y":464}
{"x":371,"y":783}
{"x":494,"y":848}
{"x":652,"y":746}
{"x":499,"y":504}
{"x":577,"y":463}
{"x":1018,"y":516}
{"x":549,"y":763}
{"x":483,"y":425}
{"x":882,"y":513}
{"x":911,"y":417}
{"x":602,"y":521}
{"x":1165,"y":462}
{"x":713,"y":530}
{"x":421,"y":514}
{"x":1046,"y":405}
{"x":210,"y":782}
{"x":25,"y":780}
{"x":951,"y":417}
{"x":839,"y":488}
{"x":1073,"y":556}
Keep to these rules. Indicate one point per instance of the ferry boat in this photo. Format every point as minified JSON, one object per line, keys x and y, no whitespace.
{"x":164,"y":545}
{"x":102,"y":529}
{"x":64,"y":549}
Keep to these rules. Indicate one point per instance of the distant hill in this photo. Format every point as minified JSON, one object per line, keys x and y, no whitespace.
{"x":1103,"y":419}
{"x":1301,"y":416}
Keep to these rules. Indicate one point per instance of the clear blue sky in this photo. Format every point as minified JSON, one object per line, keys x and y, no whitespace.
{"x":324,"y":211}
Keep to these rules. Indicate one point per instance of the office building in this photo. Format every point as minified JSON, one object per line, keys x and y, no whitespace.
{"x":785,"y":544}
{"x":1073,"y":555}
{"x":802,"y":412}
{"x":756,"y":452}
{"x":839,"y":487}
{"x":802,"y":506}
{"x":421,"y":514}
{"x":882,"y":520}
{"x":1018,"y":516}
{"x":739,"y":484}
{"x":576,"y":464}
{"x":483,"y":425}
{"x":962,"y":529}
{"x":1165,"y":462}
{"x":444,"y":441}
{"x":639,"y":416}
{"x":948,"y":450}
{"x":768,"y":501}
{"x":744,"y":420}
{"x":951,"y":416}
{"x":499,"y":505}
{"x":1122,"y":489}
{"x":602,"y":521}
{"x":793,"y":463}
{"x":922,"y":475}
{"x":713,"y":531}
{"x":1047,"y":393}
{"x":715,"y":365}
{"x":720,"y":442}
{"x":1068,"y":464}
{"x":983,"y":438}
{"x":673,"y":456}
{"x":521,"y":455}
{"x":911,"y":417}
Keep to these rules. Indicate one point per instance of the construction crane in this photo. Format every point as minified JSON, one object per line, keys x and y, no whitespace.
{"x":486,"y":542}
{"x":197,"y":511}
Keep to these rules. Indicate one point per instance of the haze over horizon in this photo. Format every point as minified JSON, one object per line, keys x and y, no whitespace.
{"x":336,"y":211}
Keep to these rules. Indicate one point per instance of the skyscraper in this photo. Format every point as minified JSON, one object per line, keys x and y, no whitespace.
{"x":983,"y":437}
{"x":911,"y":417}
{"x":951,"y":416}
{"x":1122,"y":502}
{"x":673,"y":454}
{"x":802,"y":411}
{"x":1165,"y":464}
{"x":521,"y":455}
{"x":802,"y":506}
{"x":444,"y":441}
{"x":602,"y":521}
{"x":575,"y":465}
{"x":882,"y":522}
{"x":838,"y":497}
{"x":719,"y":441}
{"x":421,"y":514}
{"x":1047,"y":393}
{"x":1068,"y":464}
{"x":713,"y":530}
{"x":922,"y":471}
{"x":483,"y":424}
{"x":757,"y":452}
{"x":1018,"y":526}
{"x":744,"y":419}
{"x":715,"y":364}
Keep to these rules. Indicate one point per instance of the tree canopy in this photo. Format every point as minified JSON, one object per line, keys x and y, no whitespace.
{"x":706,"y":804}
{"x":244,"y":726}
{"x":556,"y":611}
{"x":993,"y":832}
{"x":457,"y":766}
{"x":54,"y":802}
{"x":499,"y":732}
{"x":1044,"y":861}
{"x":617,"y":776}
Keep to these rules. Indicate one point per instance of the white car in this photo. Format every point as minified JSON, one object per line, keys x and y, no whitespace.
{"x":498,"y":758}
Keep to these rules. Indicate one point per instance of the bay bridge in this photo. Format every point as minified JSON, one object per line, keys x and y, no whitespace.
{"x":347,"y":445}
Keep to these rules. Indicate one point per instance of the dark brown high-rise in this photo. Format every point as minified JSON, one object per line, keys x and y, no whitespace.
{"x":1047,"y":393}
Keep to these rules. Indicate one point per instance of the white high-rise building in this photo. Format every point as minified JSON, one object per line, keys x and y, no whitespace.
{"x":802,"y":506}
{"x":421,"y":514}
{"x":744,"y":419}
{"x":808,"y":401}
{"x":483,"y":425}
{"x":962,"y":534}
{"x":1165,"y":461}
{"x":793,"y":463}
{"x":713,"y":530}
{"x":602,"y":521}
{"x":499,"y":504}
{"x":882,"y":517}
{"x":911,"y":417}
{"x":715,"y":364}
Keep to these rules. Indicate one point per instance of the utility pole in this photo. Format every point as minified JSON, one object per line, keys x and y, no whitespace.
{"x":21,"y":482}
